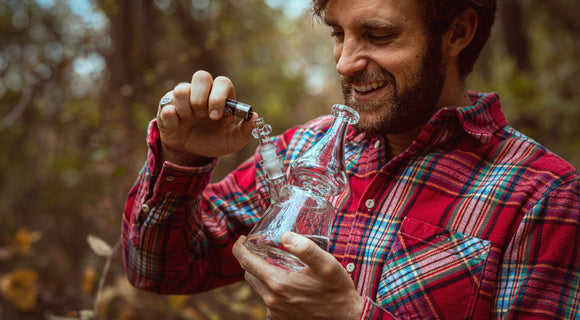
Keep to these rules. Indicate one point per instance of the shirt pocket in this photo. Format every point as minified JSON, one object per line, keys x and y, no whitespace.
{"x":432,"y":273}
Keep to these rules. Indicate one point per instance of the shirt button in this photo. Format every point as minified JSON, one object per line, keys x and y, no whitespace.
{"x":377,"y":144}
{"x":350,"y":267}
{"x":170,"y":179}
{"x":145,"y":208}
{"x":370,"y":203}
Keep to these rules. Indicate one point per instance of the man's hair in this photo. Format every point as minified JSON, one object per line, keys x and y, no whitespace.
{"x":438,"y":16}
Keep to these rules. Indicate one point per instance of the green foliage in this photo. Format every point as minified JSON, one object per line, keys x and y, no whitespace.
{"x":543,"y":102}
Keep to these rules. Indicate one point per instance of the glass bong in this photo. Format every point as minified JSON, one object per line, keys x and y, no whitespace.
{"x":302,"y":206}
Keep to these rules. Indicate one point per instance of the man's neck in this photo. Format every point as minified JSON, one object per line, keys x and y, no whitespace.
{"x":454,"y":92}
{"x":399,"y":142}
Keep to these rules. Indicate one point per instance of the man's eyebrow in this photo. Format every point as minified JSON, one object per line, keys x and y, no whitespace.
{"x":367,"y":25}
{"x":374,"y":25}
{"x":330,"y":22}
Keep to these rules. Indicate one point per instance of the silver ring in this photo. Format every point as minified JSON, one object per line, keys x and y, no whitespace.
{"x":167,"y":99}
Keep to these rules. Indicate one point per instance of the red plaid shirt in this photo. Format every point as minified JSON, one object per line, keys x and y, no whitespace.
{"x":473,"y":221}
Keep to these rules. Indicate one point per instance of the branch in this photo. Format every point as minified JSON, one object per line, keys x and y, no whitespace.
{"x":515,"y":34}
{"x":18,"y":110}
{"x":102,"y":280}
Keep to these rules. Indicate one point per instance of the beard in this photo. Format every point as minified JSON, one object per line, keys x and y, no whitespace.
{"x":403,"y":108}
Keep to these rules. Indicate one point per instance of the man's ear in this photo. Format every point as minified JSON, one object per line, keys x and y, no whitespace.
{"x":460,"y":33}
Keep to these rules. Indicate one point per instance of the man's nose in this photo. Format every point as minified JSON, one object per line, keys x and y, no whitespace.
{"x":350,"y":57}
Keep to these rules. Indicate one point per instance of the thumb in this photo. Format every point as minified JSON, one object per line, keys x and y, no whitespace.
{"x":305,"y":249}
{"x":246,"y":127}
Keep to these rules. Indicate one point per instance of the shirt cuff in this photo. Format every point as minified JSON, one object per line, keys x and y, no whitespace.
{"x":180,"y":181}
{"x":170,"y":178}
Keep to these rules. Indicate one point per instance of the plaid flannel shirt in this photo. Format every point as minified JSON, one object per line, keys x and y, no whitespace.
{"x":473,"y":221}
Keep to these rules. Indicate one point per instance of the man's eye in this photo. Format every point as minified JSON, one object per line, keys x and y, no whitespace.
{"x":335,"y":34}
{"x":380,"y":38}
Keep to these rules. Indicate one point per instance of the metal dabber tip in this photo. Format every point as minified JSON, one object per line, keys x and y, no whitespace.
{"x":238,"y":109}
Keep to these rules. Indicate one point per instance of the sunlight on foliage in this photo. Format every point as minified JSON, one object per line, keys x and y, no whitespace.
{"x":24,"y":239}
{"x":89,"y":279}
{"x":77,"y":315}
{"x":20,"y":287}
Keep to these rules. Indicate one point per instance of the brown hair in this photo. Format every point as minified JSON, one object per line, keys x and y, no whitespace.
{"x":438,"y":16}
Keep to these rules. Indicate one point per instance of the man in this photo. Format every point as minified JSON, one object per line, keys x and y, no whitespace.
{"x":451,"y":213}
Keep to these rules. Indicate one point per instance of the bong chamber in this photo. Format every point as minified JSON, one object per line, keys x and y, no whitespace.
{"x":301,"y":206}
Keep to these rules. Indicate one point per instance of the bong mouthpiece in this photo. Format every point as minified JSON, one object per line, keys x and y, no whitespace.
{"x":261,"y":131}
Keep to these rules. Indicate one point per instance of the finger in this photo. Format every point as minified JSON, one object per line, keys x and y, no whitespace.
{"x":247,"y":259}
{"x":307,"y":251}
{"x":240,"y":251}
{"x":258,"y":286}
{"x":253,"y":263}
{"x":222,"y":89}
{"x":261,"y":289}
{"x":201,"y":84}
{"x":168,"y":118}
{"x":244,"y":130}
{"x":181,"y":100}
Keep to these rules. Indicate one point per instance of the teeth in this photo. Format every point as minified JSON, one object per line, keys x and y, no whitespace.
{"x":370,"y":86}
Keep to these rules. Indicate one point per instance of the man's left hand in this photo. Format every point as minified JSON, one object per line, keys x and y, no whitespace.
{"x":321,"y":290}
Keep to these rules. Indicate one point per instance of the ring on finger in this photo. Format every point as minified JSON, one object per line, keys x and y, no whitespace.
{"x":167,"y":99}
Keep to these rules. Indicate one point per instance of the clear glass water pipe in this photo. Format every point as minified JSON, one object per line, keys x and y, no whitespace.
{"x":270,"y":162}
{"x":302,"y":206}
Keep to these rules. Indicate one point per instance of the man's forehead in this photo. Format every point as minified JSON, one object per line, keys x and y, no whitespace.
{"x":370,"y":13}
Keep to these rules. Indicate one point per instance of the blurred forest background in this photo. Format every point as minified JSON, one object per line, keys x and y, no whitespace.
{"x":80,"y":79}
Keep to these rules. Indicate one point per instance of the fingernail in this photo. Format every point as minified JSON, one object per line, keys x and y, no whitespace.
{"x":289,"y":238}
{"x":214,"y":114}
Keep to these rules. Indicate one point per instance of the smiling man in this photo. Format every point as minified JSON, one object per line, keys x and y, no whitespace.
{"x":391,"y":74}
{"x":451,"y":213}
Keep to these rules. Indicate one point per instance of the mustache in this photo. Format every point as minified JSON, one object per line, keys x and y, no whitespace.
{"x":364,"y":77}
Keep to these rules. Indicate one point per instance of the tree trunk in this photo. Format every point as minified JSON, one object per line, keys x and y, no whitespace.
{"x":515,"y":36}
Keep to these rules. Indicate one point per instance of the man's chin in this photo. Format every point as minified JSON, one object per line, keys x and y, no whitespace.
{"x":382,"y":124}
{"x":369,"y":107}
{"x":370,"y":123}
{"x":369,"y":116}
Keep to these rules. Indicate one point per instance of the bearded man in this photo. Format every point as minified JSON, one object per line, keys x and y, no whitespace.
{"x":451,"y":213}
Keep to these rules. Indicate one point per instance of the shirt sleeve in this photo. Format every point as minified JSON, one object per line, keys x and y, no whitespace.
{"x":179,"y":230}
{"x":540,"y":268}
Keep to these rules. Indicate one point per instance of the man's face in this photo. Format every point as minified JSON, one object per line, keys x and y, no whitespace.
{"x":390,"y":74}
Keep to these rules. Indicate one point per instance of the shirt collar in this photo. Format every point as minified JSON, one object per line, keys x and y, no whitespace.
{"x":481,"y":120}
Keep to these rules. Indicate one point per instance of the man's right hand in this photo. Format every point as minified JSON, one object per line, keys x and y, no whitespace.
{"x":194,"y":129}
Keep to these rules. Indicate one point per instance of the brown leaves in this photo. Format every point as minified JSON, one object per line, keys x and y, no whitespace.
{"x":21,"y":244}
{"x":76,"y":315}
{"x":24,"y":239}
{"x":89,"y":276}
{"x":20,"y":287}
